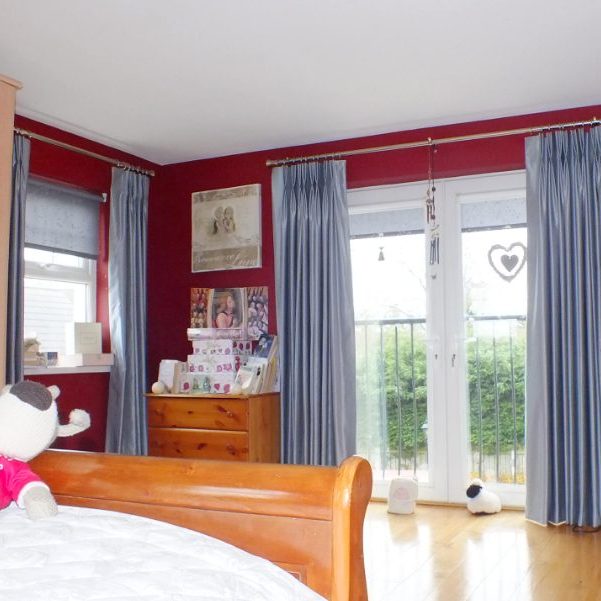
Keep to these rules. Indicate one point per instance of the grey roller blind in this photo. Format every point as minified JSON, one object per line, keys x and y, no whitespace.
{"x":510,"y":212}
{"x":61,"y":219}
{"x":400,"y":221}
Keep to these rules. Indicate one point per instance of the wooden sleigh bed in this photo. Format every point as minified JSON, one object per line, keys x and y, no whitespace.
{"x":308,"y":520}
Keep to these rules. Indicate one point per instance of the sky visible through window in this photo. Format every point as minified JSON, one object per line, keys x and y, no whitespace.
{"x":395,"y":287}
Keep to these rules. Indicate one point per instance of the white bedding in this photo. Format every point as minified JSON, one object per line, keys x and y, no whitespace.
{"x":88,"y":554}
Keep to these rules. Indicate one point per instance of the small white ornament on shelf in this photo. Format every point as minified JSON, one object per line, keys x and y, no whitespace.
{"x":159,"y":388}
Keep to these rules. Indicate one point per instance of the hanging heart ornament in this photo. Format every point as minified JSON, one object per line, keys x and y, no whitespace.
{"x":507,"y":261}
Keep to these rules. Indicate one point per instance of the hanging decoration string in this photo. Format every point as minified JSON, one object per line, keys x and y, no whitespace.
{"x":431,"y":209}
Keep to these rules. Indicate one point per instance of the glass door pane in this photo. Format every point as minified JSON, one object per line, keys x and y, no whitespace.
{"x":493,"y":240}
{"x":389,"y":283}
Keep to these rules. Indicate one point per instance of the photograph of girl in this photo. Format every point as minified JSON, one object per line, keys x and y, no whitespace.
{"x":227,"y":310}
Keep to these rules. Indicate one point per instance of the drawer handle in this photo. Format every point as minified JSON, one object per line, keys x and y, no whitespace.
{"x":231,"y":449}
{"x":227,"y":412}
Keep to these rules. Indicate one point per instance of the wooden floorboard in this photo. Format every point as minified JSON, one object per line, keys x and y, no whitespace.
{"x":447,"y":554}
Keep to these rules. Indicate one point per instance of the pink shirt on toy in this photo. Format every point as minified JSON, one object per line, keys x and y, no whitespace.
{"x":16,"y":477}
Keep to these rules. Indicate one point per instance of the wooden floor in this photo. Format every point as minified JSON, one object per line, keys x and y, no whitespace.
{"x":446,"y":554}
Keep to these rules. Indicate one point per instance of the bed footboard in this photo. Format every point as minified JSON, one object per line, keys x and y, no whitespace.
{"x":309,"y":520}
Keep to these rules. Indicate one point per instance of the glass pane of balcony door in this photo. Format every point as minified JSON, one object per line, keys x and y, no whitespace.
{"x":389,"y":282}
{"x":494,"y":242}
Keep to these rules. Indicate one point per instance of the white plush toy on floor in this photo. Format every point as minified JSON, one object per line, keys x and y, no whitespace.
{"x":481,"y":500}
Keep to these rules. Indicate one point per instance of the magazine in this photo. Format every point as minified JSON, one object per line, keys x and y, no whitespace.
{"x":249,"y":379}
{"x":267,"y":349}
{"x":199,"y":305}
{"x":257,"y":311}
{"x":265,"y":346}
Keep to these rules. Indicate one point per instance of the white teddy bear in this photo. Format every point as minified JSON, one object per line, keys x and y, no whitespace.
{"x":481,"y":500}
{"x":28,"y":426}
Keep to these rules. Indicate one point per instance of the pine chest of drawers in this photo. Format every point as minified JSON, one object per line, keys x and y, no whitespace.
{"x":215,"y":426}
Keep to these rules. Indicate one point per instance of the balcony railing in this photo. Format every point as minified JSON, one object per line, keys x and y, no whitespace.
{"x":496,"y":355}
{"x":392,"y":395}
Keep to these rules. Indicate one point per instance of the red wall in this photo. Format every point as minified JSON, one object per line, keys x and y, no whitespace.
{"x":169,"y":235}
{"x":89,"y":390}
{"x":169,"y":276}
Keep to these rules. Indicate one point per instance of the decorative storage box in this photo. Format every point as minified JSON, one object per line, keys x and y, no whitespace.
{"x":212,"y":383}
{"x":222,"y":383}
{"x":222,"y":347}
{"x":185,"y":383}
{"x":216,"y":333}
{"x":214,"y":364}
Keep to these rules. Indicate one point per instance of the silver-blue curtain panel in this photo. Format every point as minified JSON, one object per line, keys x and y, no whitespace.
{"x":126,"y":419}
{"x":314,"y":312}
{"x":16,"y":265}
{"x":564,"y":328}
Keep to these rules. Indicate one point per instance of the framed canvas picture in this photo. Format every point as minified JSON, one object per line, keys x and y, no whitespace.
{"x":226,"y":229}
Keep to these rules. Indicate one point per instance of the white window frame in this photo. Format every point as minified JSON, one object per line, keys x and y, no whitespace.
{"x":86,"y":274}
{"x":447,"y":403}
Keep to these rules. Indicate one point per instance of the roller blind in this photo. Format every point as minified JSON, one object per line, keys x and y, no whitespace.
{"x":504,"y":213}
{"x":400,"y":221}
{"x":62,"y":219}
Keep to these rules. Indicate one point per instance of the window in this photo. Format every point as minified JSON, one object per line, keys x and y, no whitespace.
{"x":61,"y":248}
{"x":59,"y":289}
{"x":440,"y":321}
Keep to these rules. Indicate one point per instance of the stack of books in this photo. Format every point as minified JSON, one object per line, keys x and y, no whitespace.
{"x":32,"y":357}
{"x":40,"y":359}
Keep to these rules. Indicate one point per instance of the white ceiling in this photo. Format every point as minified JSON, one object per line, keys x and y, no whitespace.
{"x":176,"y":80}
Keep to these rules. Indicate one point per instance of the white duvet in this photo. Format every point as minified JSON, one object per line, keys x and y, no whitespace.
{"x":88,"y":554}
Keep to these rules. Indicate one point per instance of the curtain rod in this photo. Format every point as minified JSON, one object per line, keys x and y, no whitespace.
{"x":430,"y":142}
{"x":88,"y":153}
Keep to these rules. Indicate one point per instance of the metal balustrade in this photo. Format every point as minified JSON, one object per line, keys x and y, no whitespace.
{"x":392,"y":395}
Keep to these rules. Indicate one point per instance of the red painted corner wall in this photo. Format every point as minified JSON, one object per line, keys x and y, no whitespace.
{"x":169,"y":227}
{"x":169,"y":274}
{"x":67,"y":167}
{"x":87,"y":391}
{"x":90,"y":390}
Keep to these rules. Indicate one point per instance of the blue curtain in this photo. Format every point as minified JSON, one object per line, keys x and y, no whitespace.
{"x":126,"y":419}
{"x":315,"y":313}
{"x":564,"y":328}
{"x":16,"y":266}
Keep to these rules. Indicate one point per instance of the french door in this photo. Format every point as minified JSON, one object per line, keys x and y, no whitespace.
{"x":440,"y":312}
